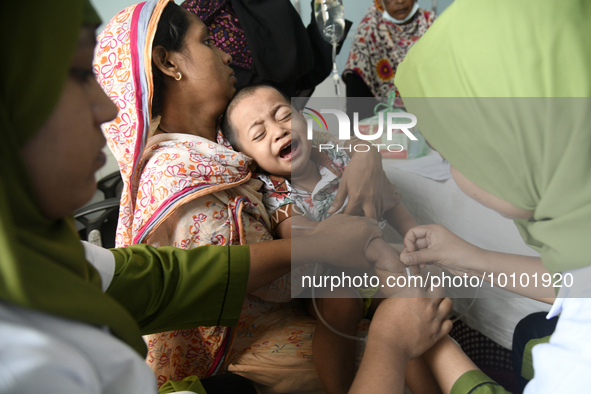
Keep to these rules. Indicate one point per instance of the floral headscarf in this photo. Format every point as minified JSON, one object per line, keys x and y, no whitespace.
{"x":124,"y":67}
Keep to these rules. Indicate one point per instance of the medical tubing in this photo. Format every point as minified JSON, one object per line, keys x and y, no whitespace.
{"x":331,"y":328}
{"x":409,"y":274}
{"x":468,"y":308}
{"x":364,"y":339}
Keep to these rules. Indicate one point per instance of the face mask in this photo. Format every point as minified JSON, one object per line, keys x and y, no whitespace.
{"x":413,"y":11}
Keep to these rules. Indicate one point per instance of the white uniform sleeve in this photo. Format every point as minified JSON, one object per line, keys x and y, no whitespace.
{"x":103,"y":260}
{"x":563,"y":364}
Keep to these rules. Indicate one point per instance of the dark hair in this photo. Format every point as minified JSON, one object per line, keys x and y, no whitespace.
{"x":227,"y":128}
{"x":170,"y":34}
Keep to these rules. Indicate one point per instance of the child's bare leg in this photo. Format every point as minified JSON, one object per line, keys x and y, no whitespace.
{"x":334,"y":355}
{"x":418,"y":376}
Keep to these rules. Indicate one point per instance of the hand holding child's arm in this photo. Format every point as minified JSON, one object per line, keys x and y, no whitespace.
{"x":370,"y":193}
{"x":341,"y":240}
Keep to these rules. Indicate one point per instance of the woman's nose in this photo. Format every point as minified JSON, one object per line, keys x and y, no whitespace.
{"x":226,"y":57}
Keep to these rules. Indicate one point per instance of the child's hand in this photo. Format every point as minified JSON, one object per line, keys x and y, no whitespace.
{"x":389,"y":282}
{"x":384,"y":256}
{"x":340,"y":240}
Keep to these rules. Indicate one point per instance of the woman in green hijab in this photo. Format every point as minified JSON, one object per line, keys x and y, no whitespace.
{"x":59,"y":331}
{"x":507,"y":103}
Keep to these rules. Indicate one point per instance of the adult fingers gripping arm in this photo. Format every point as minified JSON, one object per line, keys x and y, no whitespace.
{"x":366,"y":185}
{"x":340,"y":240}
{"x":384,"y":256}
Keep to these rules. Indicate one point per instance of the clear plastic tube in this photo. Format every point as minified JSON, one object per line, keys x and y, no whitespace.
{"x":364,"y":339}
{"x":331,"y":328}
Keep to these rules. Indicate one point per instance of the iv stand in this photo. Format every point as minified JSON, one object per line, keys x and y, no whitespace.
{"x":335,"y":70}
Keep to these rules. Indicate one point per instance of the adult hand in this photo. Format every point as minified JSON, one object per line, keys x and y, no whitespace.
{"x":435,"y":244}
{"x":410,"y":323}
{"x":364,"y":182}
{"x":341,"y":240}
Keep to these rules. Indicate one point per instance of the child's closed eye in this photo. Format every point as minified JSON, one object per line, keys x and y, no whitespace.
{"x":259,"y":135}
{"x":283,"y":113}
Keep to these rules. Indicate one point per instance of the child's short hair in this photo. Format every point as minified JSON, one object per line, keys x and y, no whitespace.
{"x":228,"y":129}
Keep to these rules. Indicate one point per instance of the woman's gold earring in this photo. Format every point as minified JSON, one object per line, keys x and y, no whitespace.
{"x":178,"y":76}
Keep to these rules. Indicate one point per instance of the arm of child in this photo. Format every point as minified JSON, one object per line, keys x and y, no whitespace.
{"x":285,"y":230}
{"x":399,"y":218}
{"x":384,"y":256}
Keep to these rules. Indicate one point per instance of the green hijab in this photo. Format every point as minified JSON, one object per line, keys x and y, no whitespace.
{"x":42,"y":263}
{"x":501,"y":89}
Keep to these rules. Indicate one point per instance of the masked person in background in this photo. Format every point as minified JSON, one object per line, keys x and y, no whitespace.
{"x":383,"y":38}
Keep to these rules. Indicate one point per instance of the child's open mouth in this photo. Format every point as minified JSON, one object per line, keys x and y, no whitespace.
{"x":285,"y":153}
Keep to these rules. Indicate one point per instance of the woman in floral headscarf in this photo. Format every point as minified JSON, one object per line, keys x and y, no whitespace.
{"x":71,"y":313}
{"x":183,"y":184}
{"x":183,"y":187}
{"x":383,"y":38}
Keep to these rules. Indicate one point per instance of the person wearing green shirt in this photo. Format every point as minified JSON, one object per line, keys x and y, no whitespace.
{"x":71,"y":315}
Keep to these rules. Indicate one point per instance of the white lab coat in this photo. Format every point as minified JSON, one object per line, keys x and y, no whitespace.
{"x":564,"y":364}
{"x":41,"y":353}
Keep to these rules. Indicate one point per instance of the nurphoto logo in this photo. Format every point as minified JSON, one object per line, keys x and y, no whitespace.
{"x":361,"y":131}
